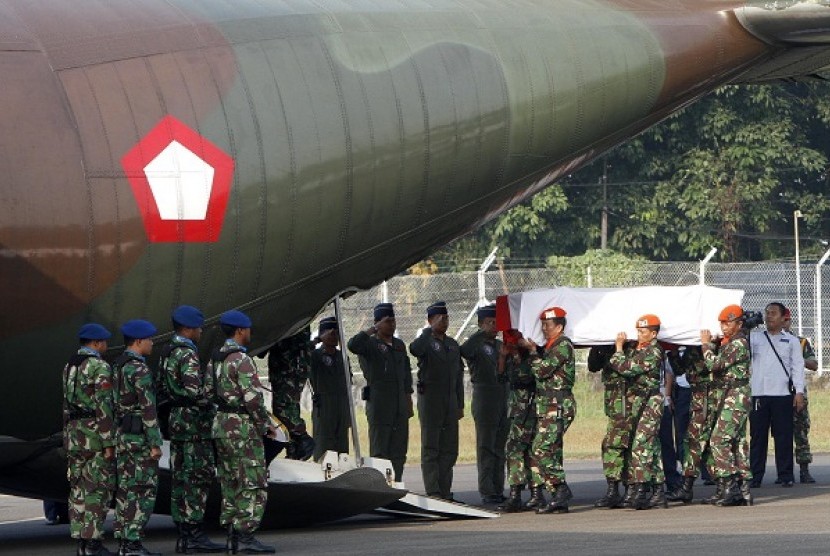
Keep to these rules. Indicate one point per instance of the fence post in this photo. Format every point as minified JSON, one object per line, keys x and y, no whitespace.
{"x":705,"y":260}
{"x":482,"y":298}
{"x":590,"y":277}
{"x":819,"y":319}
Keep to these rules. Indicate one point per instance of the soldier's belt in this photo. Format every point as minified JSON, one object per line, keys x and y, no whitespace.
{"x":736,"y":383}
{"x":701,"y":387}
{"x":184,"y":403}
{"x":225,"y":408}
{"x":80,"y":414}
{"x":530,"y":386}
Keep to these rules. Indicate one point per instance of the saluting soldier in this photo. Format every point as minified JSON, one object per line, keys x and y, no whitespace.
{"x":289,"y":363}
{"x":730,"y":369}
{"x":555,"y":372}
{"x":514,"y":362}
{"x":240,"y":423}
{"x":330,"y":415}
{"x":490,"y":390}
{"x":138,"y":444}
{"x":440,"y":400}
{"x":388,"y":390}
{"x":617,"y":441}
{"x":192,"y":460}
{"x":89,"y":439}
{"x":642,"y":365}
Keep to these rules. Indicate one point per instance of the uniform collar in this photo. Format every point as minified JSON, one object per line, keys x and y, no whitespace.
{"x":134,"y":354}
{"x":88,"y":351}
{"x":230,"y":344}
{"x":182,"y":340}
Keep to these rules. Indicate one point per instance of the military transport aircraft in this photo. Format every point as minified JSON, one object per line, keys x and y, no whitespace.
{"x":269,"y":155}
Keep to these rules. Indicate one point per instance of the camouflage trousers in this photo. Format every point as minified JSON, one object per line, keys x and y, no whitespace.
{"x":548,"y":442}
{"x":703,"y":411}
{"x":617,"y":440}
{"x":801,"y":434}
{"x":192,"y":468}
{"x":728,"y":443}
{"x":646,"y":465}
{"x":135,"y":495}
{"x":243,"y":478}
{"x":286,"y":408}
{"x":517,"y":451}
{"x":91,"y":482}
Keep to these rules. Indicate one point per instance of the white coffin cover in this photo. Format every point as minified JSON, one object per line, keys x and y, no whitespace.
{"x":596,"y":315}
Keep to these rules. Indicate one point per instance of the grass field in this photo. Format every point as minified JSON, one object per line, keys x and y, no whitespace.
{"x":584,"y":437}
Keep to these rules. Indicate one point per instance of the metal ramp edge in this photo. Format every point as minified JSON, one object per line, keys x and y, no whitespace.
{"x":419,"y":505}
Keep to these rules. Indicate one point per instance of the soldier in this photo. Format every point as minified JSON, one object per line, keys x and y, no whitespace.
{"x":621,"y":423}
{"x":330,"y":415}
{"x":642,"y":365}
{"x":89,"y":439}
{"x":490,"y":390}
{"x":240,"y":423}
{"x":192,"y":459}
{"x":554,"y":370}
{"x":730,"y":369}
{"x":388,"y":390}
{"x":289,"y":362}
{"x":514,"y":363}
{"x":138,"y":437}
{"x":702,"y":414}
{"x":801,"y":419}
{"x":440,"y":400}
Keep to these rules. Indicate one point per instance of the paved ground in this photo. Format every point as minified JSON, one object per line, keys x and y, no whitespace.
{"x":782,"y":521}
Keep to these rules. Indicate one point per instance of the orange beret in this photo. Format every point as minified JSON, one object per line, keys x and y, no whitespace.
{"x":553,"y":313}
{"x":647,"y":320}
{"x":730,"y":313}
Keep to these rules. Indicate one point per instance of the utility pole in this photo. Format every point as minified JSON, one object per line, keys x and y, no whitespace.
{"x":604,"y":225}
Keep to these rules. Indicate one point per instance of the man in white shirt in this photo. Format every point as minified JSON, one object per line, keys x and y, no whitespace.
{"x":776,"y":362}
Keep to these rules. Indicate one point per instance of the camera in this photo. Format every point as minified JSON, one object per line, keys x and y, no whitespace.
{"x":752,"y":319}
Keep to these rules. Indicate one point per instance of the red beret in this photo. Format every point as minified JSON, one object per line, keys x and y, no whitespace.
{"x":730,"y":313}
{"x":553,"y":313}
{"x":647,"y":320}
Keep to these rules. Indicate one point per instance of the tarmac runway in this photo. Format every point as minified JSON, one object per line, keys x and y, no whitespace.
{"x":783,"y":520}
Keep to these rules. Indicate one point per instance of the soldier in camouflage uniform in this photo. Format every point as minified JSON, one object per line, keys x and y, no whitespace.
{"x":289,"y":363}
{"x":702,"y":414}
{"x":192,"y":460}
{"x":801,"y":419}
{"x":642,"y":365}
{"x":89,"y":439}
{"x":490,"y":390}
{"x":440,"y":400}
{"x":388,"y":390}
{"x":554,"y":370}
{"x":138,"y":438}
{"x":240,"y":423}
{"x":621,"y":423}
{"x":730,"y":369}
{"x":514,"y":363}
{"x":331,"y":416}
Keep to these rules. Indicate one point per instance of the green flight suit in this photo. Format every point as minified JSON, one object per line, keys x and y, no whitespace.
{"x":330,"y":415}
{"x":440,"y":401}
{"x":490,"y":393}
{"x":134,"y":399}
{"x":388,"y":375}
{"x":88,"y":428}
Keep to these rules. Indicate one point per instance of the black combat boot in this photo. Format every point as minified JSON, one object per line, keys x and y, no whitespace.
{"x":612,"y":496}
{"x":514,"y":501}
{"x":134,"y":548}
{"x":731,"y":494}
{"x":246,"y":543}
{"x":193,"y":540}
{"x":684,"y":492}
{"x":746,"y":492}
{"x":641,"y":499}
{"x":81,"y":547}
{"x":559,"y":501}
{"x":628,"y":499}
{"x":94,"y":547}
{"x":537,"y":497}
{"x":658,"y":496}
{"x":720,"y":487}
{"x":804,"y":476}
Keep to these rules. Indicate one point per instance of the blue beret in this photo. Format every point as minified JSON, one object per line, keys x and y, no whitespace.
{"x":328,"y":323}
{"x":138,"y":329}
{"x":93,"y":331}
{"x":487,"y":311}
{"x":383,"y":310}
{"x":188,"y":316}
{"x":437,"y":308}
{"x":235,"y":318}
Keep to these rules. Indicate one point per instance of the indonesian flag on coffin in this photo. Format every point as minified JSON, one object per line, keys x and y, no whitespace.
{"x":596,"y":315}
